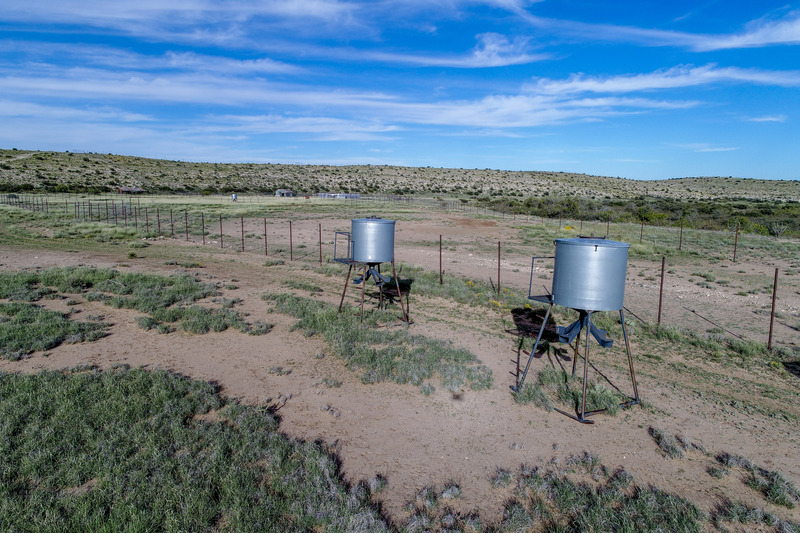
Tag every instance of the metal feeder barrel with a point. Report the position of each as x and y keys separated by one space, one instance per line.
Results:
x=589 y=273
x=373 y=240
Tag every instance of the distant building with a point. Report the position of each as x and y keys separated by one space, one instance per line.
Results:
x=284 y=193
x=130 y=190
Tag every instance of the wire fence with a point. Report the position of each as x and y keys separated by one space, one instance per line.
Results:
x=306 y=240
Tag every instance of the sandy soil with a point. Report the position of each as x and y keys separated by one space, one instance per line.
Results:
x=417 y=441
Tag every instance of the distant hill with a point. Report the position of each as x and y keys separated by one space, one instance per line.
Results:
x=92 y=172
x=765 y=207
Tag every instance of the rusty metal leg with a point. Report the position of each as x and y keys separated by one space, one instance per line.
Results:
x=585 y=368
x=533 y=350
x=346 y=281
x=399 y=294
x=575 y=354
x=363 y=291
x=630 y=360
x=380 y=290
x=586 y=322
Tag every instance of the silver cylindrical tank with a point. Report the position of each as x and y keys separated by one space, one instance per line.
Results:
x=589 y=274
x=373 y=240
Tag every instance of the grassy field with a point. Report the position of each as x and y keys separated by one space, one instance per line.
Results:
x=140 y=450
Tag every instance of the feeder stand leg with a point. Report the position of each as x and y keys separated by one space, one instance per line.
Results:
x=380 y=290
x=576 y=355
x=630 y=359
x=346 y=281
x=585 y=367
x=399 y=294
x=533 y=350
x=363 y=290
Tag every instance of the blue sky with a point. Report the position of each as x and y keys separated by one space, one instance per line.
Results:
x=643 y=90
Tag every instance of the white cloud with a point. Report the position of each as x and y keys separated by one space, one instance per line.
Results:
x=33 y=111
x=496 y=50
x=672 y=78
x=491 y=50
x=758 y=33
x=175 y=12
x=319 y=128
x=117 y=59
x=768 y=118
x=236 y=23
x=199 y=62
x=706 y=147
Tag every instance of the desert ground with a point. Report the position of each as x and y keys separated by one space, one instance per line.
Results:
x=748 y=408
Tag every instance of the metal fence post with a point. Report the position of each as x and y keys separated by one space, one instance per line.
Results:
x=661 y=290
x=772 y=313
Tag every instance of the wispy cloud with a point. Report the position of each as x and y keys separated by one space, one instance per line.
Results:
x=768 y=118
x=677 y=77
x=129 y=14
x=118 y=59
x=491 y=50
x=705 y=147
x=758 y=33
x=27 y=110
x=319 y=128
x=233 y=24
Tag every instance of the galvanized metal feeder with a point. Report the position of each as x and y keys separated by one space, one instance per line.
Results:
x=368 y=244
x=588 y=276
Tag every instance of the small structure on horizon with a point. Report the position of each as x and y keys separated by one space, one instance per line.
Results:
x=130 y=190
x=284 y=193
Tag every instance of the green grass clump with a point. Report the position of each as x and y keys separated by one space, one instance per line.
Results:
x=165 y=300
x=556 y=385
x=775 y=487
x=613 y=505
x=149 y=293
x=385 y=354
x=741 y=513
x=301 y=286
x=26 y=328
x=130 y=450
x=535 y=394
x=667 y=443
x=501 y=478
x=771 y=484
x=22 y=286
x=555 y=501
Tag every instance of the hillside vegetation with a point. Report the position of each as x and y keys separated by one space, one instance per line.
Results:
x=756 y=206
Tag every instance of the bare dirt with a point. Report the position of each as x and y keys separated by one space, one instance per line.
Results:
x=463 y=437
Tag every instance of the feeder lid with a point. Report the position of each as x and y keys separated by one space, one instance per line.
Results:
x=591 y=241
x=374 y=220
